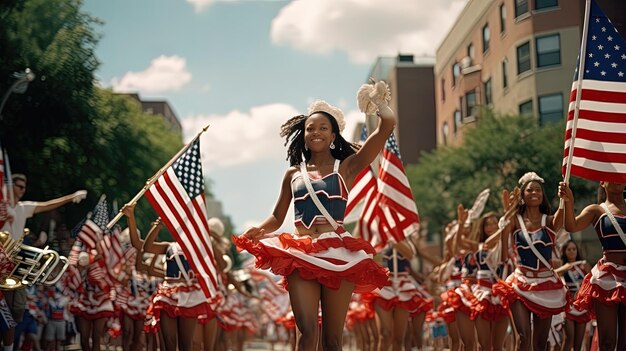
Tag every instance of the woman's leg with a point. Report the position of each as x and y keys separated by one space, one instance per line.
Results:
x=455 y=338
x=621 y=325
x=607 y=318
x=498 y=330
x=521 y=320
x=400 y=321
x=209 y=337
x=84 y=327
x=98 y=330
x=384 y=323
x=334 y=309
x=484 y=333
x=466 y=330
x=186 y=330
x=372 y=335
x=305 y=298
x=127 y=332
x=579 y=335
x=138 y=339
x=168 y=332
x=568 y=328
x=418 y=330
x=541 y=330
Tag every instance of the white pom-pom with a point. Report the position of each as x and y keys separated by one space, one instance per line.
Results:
x=370 y=97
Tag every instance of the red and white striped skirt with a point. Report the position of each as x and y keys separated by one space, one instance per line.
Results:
x=488 y=306
x=93 y=305
x=330 y=259
x=605 y=283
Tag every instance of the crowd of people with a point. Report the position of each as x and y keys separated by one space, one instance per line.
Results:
x=511 y=280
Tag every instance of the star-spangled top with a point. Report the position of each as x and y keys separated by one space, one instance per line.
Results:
x=392 y=146
x=189 y=171
x=605 y=57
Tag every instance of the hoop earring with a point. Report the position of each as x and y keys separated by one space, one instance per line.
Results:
x=332 y=145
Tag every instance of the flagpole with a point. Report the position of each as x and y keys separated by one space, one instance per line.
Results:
x=156 y=176
x=581 y=67
x=7 y=166
x=581 y=73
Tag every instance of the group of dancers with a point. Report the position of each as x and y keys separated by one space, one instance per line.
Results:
x=502 y=278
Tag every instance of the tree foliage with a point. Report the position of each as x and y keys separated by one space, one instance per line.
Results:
x=494 y=154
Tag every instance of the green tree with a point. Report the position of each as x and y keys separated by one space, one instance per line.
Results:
x=494 y=154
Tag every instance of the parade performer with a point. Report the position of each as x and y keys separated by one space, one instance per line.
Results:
x=491 y=315
x=603 y=291
x=573 y=272
x=94 y=306
x=534 y=290
x=179 y=300
x=322 y=262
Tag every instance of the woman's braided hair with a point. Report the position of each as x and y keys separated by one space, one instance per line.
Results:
x=293 y=131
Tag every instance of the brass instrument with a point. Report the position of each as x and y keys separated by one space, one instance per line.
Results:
x=32 y=264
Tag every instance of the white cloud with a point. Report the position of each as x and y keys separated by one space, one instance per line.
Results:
x=200 y=5
x=365 y=29
x=243 y=137
x=166 y=73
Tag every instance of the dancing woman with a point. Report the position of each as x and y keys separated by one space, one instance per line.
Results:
x=603 y=291
x=322 y=263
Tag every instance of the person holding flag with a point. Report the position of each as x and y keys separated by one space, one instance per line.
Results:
x=321 y=262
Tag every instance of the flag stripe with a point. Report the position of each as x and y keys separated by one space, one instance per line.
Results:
x=597 y=116
x=600 y=166
x=601 y=106
x=595 y=135
x=594 y=174
x=602 y=96
x=596 y=146
x=602 y=156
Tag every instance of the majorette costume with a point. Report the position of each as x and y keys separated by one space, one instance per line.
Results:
x=533 y=281
x=462 y=299
x=488 y=306
x=607 y=280
x=573 y=278
x=330 y=258
x=359 y=311
x=402 y=291
x=94 y=293
x=445 y=309
x=180 y=294
x=134 y=297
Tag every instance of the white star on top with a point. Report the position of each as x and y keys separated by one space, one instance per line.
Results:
x=597 y=20
x=616 y=47
x=596 y=64
x=623 y=56
x=607 y=55
x=600 y=47
x=604 y=29
x=593 y=37
x=603 y=73
x=620 y=73
x=614 y=65
x=590 y=55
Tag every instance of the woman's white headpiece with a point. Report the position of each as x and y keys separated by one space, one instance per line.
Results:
x=323 y=106
x=530 y=176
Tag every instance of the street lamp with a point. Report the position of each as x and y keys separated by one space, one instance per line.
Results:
x=19 y=86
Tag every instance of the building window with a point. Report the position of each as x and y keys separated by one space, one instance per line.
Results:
x=521 y=7
x=443 y=89
x=502 y=18
x=548 y=51
x=444 y=132
x=486 y=37
x=470 y=103
x=505 y=73
x=487 y=87
x=456 y=72
x=526 y=108
x=523 y=58
x=458 y=120
x=470 y=53
x=551 y=108
x=545 y=4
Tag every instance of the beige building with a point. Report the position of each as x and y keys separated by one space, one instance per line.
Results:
x=159 y=108
x=514 y=56
x=411 y=82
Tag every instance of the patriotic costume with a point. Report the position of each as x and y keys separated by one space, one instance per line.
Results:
x=330 y=258
x=94 y=300
x=607 y=281
x=180 y=294
x=403 y=291
x=133 y=298
x=535 y=285
x=573 y=278
x=462 y=299
x=445 y=308
x=488 y=306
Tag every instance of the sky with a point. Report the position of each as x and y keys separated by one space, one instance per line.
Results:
x=246 y=66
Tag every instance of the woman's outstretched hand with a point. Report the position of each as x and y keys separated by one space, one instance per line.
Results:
x=254 y=233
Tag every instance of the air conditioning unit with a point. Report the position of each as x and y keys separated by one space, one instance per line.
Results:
x=466 y=62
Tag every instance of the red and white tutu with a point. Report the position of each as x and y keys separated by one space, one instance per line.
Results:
x=179 y=299
x=543 y=296
x=92 y=305
x=402 y=293
x=359 y=311
x=330 y=259
x=131 y=305
x=488 y=305
x=462 y=299
x=605 y=283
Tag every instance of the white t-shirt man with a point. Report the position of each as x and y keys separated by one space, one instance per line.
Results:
x=21 y=212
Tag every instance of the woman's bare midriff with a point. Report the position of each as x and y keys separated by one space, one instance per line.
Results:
x=616 y=257
x=315 y=230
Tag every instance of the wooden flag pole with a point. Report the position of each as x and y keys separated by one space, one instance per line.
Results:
x=581 y=73
x=156 y=176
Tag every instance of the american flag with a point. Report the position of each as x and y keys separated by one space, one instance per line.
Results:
x=394 y=196
x=600 y=140
x=178 y=198
x=90 y=234
x=112 y=251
